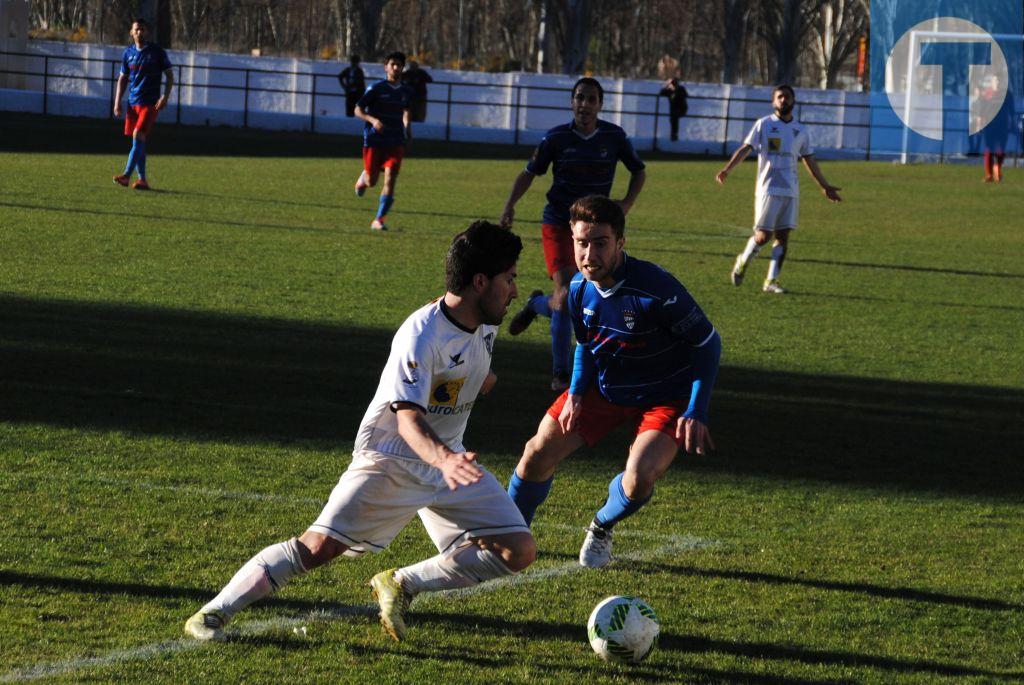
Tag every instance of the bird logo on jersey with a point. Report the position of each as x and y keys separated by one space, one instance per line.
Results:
x=629 y=318
x=489 y=343
x=604 y=152
x=412 y=374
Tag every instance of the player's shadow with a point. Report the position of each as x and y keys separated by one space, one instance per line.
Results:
x=214 y=376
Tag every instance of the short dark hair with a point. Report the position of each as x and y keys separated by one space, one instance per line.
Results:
x=588 y=81
x=396 y=56
x=598 y=209
x=355 y=58
x=141 y=22
x=784 y=86
x=483 y=248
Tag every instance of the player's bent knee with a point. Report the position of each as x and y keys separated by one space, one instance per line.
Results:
x=518 y=552
x=318 y=549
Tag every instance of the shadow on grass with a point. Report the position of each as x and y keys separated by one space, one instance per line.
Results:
x=209 y=376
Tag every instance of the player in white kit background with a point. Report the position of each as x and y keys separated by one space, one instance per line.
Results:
x=409 y=458
x=779 y=141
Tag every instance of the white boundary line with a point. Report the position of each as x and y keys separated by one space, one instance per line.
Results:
x=672 y=544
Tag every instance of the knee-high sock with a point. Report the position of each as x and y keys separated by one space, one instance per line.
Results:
x=778 y=257
x=541 y=305
x=140 y=158
x=750 y=250
x=561 y=340
x=988 y=164
x=618 y=506
x=267 y=572
x=384 y=206
x=133 y=156
x=528 y=494
x=466 y=566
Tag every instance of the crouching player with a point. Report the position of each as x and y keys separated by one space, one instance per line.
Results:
x=409 y=457
x=645 y=354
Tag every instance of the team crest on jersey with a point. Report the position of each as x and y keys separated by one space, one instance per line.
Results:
x=604 y=152
x=629 y=318
x=775 y=145
x=489 y=343
x=446 y=393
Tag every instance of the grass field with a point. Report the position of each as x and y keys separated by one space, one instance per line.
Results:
x=182 y=374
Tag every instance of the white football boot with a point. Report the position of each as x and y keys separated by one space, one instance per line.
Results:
x=597 y=547
x=207 y=626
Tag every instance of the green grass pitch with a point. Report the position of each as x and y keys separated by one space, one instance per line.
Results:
x=182 y=374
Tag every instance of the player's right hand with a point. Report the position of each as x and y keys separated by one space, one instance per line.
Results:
x=459 y=468
x=720 y=176
x=507 y=216
x=378 y=125
x=568 y=418
x=117 y=110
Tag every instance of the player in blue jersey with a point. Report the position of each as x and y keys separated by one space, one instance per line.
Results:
x=583 y=155
x=645 y=354
x=385 y=109
x=143 y=64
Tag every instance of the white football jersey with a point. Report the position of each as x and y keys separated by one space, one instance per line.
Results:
x=779 y=146
x=435 y=364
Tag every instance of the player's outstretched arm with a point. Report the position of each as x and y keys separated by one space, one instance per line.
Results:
x=519 y=187
x=831 y=192
x=636 y=184
x=457 y=468
x=737 y=157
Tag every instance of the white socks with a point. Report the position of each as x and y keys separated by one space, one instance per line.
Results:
x=267 y=572
x=750 y=251
x=778 y=256
x=466 y=566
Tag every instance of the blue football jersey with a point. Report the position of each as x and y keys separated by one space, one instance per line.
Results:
x=387 y=102
x=580 y=165
x=644 y=341
x=144 y=69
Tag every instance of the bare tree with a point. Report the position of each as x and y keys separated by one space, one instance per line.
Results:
x=784 y=26
x=836 y=34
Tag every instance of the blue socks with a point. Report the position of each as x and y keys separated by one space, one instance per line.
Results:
x=618 y=505
x=561 y=339
x=384 y=206
x=528 y=495
x=140 y=158
x=137 y=152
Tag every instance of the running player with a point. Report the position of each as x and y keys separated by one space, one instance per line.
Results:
x=385 y=109
x=409 y=457
x=142 y=66
x=645 y=355
x=779 y=140
x=583 y=155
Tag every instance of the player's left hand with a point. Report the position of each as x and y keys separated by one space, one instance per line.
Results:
x=832 y=193
x=720 y=177
x=161 y=103
x=697 y=436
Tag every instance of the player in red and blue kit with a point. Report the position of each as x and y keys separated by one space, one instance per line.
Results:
x=143 y=65
x=645 y=354
x=583 y=155
x=385 y=109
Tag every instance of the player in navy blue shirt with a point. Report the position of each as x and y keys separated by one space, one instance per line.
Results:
x=385 y=109
x=645 y=354
x=583 y=155
x=143 y=65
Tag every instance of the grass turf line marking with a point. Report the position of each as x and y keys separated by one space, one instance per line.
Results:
x=255 y=628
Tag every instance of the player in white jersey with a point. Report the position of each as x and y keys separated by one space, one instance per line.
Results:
x=409 y=457
x=779 y=140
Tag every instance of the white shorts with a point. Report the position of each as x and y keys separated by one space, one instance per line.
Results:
x=772 y=212
x=378 y=495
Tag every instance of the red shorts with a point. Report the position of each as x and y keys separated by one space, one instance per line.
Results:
x=600 y=417
x=377 y=158
x=558 y=248
x=139 y=118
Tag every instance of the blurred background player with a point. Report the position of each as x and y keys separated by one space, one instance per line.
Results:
x=143 y=64
x=779 y=140
x=645 y=354
x=409 y=457
x=417 y=79
x=385 y=109
x=353 y=84
x=676 y=93
x=583 y=155
x=996 y=133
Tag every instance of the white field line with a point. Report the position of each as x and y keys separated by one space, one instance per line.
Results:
x=680 y=543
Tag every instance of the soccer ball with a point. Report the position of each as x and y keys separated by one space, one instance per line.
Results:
x=623 y=629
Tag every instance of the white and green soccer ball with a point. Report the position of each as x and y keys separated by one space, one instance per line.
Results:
x=623 y=629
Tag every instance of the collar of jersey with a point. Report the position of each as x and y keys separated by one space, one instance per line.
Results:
x=620 y=279
x=572 y=127
x=451 y=319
